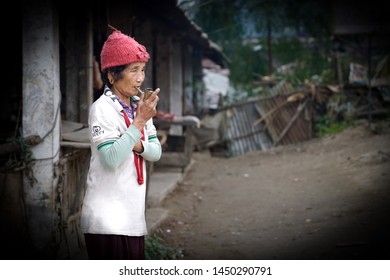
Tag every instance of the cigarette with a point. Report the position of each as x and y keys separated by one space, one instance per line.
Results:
x=139 y=89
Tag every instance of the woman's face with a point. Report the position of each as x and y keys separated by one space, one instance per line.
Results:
x=132 y=77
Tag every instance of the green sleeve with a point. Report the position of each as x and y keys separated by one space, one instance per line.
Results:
x=112 y=154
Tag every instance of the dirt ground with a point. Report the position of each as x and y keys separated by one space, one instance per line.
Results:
x=327 y=198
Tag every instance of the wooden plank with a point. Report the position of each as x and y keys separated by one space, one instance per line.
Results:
x=81 y=136
x=69 y=126
x=76 y=145
x=291 y=122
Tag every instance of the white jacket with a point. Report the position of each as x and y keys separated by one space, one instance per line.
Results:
x=114 y=202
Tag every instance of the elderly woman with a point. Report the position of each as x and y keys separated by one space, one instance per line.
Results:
x=122 y=136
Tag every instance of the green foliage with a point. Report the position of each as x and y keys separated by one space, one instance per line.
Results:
x=223 y=27
x=325 y=126
x=247 y=64
x=155 y=249
x=288 y=32
x=310 y=60
x=227 y=30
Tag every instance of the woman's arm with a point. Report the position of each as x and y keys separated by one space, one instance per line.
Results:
x=114 y=153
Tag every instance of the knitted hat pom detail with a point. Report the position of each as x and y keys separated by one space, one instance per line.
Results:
x=120 y=49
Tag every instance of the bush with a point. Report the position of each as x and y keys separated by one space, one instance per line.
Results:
x=155 y=249
x=325 y=126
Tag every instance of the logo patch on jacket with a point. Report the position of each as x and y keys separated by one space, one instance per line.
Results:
x=97 y=130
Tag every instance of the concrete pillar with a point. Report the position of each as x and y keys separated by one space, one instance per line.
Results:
x=41 y=116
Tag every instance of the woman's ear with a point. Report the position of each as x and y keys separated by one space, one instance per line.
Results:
x=110 y=77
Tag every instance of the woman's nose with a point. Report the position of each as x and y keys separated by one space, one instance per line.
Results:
x=140 y=76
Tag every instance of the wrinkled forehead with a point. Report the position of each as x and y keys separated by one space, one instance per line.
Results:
x=136 y=65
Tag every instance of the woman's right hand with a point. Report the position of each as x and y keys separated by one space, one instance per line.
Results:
x=146 y=109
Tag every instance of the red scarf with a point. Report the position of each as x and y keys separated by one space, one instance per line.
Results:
x=138 y=160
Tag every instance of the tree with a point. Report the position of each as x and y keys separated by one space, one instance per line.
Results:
x=231 y=22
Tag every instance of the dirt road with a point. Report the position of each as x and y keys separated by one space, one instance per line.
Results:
x=327 y=198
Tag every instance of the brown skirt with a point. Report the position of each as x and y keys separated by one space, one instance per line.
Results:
x=115 y=247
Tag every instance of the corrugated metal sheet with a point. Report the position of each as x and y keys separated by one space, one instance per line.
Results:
x=282 y=122
x=242 y=136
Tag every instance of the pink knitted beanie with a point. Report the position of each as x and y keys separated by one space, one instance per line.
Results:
x=120 y=49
